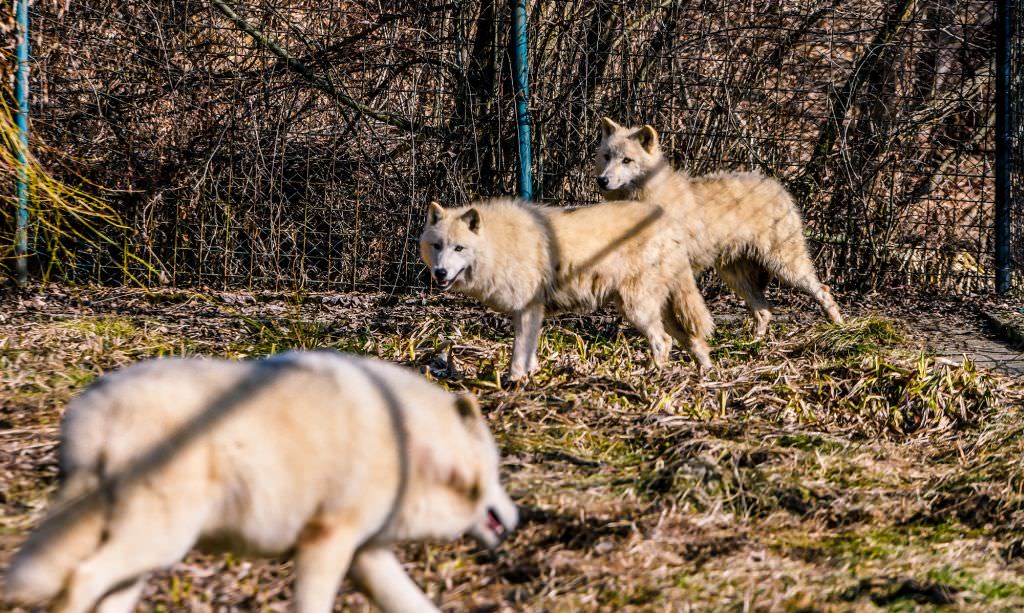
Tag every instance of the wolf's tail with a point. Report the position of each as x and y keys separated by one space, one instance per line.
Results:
x=74 y=528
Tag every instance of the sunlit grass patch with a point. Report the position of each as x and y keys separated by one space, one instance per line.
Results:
x=857 y=337
x=892 y=396
x=578 y=445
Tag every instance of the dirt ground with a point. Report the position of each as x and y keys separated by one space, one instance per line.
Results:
x=859 y=467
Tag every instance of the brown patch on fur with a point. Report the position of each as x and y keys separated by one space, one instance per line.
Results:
x=467 y=489
x=314 y=530
x=467 y=406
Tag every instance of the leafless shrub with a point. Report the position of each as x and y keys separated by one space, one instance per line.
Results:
x=292 y=144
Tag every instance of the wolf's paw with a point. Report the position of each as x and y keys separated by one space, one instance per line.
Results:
x=703 y=363
x=515 y=380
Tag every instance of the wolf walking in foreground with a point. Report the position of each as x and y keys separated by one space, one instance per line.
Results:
x=744 y=224
x=332 y=456
x=524 y=260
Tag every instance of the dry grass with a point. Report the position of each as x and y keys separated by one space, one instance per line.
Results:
x=826 y=468
x=65 y=215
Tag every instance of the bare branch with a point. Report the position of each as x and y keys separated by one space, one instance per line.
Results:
x=842 y=99
x=322 y=84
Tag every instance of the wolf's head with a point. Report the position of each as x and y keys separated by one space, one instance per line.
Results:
x=626 y=158
x=449 y=244
x=454 y=486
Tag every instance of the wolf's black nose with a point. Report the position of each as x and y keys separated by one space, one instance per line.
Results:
x=440 y=273
x=603 y=182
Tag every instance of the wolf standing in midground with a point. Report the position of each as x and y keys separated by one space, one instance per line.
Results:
x=522 y=259
x=743 y=224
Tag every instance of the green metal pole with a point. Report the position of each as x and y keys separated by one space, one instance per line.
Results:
x=521 y=74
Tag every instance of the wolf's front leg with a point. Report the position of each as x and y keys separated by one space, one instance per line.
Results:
x=321 y=562
x=526 y=325
x=380 y=575
x=121 y=601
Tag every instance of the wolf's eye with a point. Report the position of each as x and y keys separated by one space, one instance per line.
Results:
x=437 y=246
x=607 y=157
x=459 y=247
x=627 y=160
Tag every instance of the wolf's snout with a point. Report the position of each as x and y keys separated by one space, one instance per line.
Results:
x=602 y=182
x=440 y=274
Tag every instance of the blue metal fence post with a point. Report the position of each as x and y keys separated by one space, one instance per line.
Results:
x=21 y=94
x=522 y=80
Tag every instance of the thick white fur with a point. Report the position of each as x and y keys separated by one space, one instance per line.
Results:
x=311 y=460
x=744 y=224
x=523 y=260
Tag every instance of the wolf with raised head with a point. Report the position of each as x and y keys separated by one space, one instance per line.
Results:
x=525 y=260
x=331 y=456
x=744 y=224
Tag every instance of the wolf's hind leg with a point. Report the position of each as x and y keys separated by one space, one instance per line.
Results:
x=691 y=322
x=643 y=310
x=143 y=535
x=697 y=346
x=798 y=272
x=688 y=325
x=380 y=575
x=748 y=280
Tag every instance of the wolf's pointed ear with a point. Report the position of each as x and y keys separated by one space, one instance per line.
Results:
x=467 y=406
x=608 y=127
x=648 y=138
x=472 y=219
x=435 y=213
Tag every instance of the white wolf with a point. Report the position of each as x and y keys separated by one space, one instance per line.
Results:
x=334 y=456
x=523 y=259
x=744 y=224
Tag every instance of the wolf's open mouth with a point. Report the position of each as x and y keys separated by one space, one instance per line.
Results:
x=448 y=282
x=494 y=524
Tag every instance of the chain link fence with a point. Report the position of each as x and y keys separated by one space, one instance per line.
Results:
x=294 y=144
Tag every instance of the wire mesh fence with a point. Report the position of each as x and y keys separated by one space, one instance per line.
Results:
x=294 y=144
